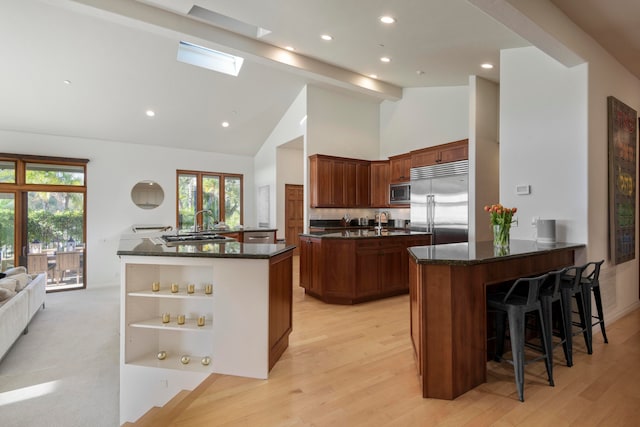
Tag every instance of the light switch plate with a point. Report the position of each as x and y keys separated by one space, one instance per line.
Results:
x=523 y=189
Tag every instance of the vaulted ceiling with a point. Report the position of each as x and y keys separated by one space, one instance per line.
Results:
x=92 y=68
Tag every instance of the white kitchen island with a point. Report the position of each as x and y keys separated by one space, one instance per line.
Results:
x=247 y=317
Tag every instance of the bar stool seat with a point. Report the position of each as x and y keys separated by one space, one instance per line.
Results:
x=522 y=297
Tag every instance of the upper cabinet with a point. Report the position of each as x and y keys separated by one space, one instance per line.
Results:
x=380 y=184
x=338 y=182
x=399 y=168
x=451 y=152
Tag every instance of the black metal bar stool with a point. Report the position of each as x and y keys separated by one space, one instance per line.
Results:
x=586 y=284
x=592 y=280
x=522 y=297
x=571 y=287
x=550 y=295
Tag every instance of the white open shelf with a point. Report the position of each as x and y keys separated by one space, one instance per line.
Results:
x=166 y=293
x=189 y=325
x=172 y=362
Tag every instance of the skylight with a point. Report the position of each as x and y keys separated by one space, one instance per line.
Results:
x=210 y=59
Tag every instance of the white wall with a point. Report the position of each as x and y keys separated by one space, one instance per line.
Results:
x=424 y=117
x=342 y=125
x=543 y=142
x=484 y=154
x=290 y=170
x=114 y=168
x=291 y=126
x=606 y=77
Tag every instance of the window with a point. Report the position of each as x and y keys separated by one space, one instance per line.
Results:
x=42 y=173
x=43 y=217
x=216 y=197
x=7 y=171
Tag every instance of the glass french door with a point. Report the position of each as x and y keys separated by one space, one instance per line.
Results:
x=7 y=230
x=55 y=238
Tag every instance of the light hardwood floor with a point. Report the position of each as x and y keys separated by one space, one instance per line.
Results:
x=353 y=366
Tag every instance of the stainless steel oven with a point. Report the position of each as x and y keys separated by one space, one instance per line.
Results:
x=400 y=193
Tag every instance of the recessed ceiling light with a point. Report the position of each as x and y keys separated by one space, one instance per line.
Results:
x=225 y=124
x=326 y=37
x=67 y=82
x=150 y=113
x=487 y=66
x=419 y=72
x=385 y=59
x=387 y=19
x=373 y=76
x=290 y=48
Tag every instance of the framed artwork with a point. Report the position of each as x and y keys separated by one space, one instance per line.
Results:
x=622 y=136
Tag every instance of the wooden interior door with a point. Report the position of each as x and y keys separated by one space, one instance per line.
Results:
x=294 y=223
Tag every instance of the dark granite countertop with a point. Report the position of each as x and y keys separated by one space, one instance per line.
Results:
x=363 y=233
x=242 y=229
x=147 y=245
x=481 y=252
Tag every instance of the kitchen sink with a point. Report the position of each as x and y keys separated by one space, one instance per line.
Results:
x=193 y=238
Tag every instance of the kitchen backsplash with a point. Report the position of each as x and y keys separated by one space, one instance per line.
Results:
x=324 y=213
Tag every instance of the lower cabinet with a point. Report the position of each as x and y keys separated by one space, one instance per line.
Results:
x=349 y=271
x=380 y=268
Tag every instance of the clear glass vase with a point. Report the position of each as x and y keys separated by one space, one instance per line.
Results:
x=501 y=236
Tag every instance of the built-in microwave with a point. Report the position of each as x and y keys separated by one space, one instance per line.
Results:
x=400 y=193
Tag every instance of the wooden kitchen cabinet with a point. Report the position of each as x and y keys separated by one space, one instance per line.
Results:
x=380 y=269
x=338 y=182
x=350 y=270
x=310 y=259
x=380 y=184
x=451 y=152
x=400 y=167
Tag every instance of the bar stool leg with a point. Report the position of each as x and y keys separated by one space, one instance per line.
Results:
x=598 y=298
x=547 y=347
x=583 y=301
x=516 y=334
x=565 y=301
x=500 y=336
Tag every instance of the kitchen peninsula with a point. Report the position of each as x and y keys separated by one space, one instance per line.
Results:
x=357 y=265
x=448 y=309
x=192 y=309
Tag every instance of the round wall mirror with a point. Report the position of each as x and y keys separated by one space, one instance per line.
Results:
x=147 y=194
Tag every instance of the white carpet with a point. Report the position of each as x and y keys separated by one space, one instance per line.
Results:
x=65 y=372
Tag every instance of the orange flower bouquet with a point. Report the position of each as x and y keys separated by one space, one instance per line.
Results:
x=500 y=218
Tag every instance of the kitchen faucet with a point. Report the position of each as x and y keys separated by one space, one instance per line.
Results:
x=195 y=218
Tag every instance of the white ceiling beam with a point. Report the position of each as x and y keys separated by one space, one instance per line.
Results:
x=512 y=18
x=140 y=15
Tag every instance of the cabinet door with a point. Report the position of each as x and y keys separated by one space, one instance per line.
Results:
x=306 y=255
x=321 y=182
x=363 y=186
x=310 y=261
x=400 y=167
x=350 y=188
x=425 y=157
x=380 y=184
x=367 y=280
x=337 y=183
x=393 y=268
x=454 y=152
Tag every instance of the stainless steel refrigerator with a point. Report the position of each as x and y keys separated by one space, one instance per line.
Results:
x=440 y=201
